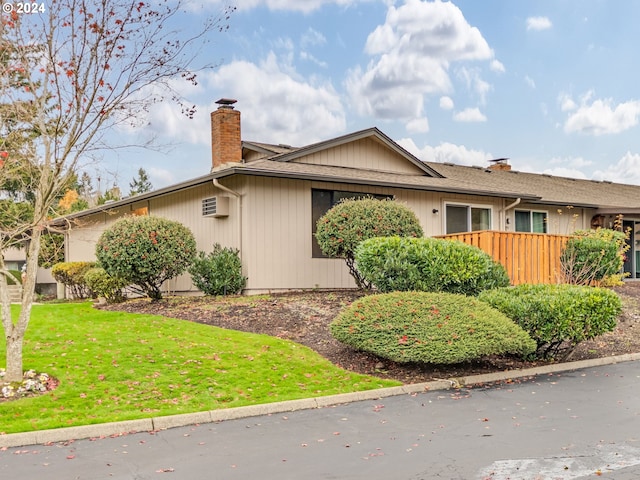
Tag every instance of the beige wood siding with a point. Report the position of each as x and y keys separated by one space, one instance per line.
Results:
x=277 y=247
x=184 y=206
x=366 y=154
x=275 y=231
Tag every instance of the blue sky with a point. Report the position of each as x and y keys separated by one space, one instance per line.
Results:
x=551 y=84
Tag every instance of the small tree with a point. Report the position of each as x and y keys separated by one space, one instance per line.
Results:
x=141 y=183
x=351 y=221
x=146 y=251
x=71 y=72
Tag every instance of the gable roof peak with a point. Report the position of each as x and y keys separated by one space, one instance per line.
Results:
x=372 y=132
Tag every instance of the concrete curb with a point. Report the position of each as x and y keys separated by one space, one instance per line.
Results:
x=163 y=423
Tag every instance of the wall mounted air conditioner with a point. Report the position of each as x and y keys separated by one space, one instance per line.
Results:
x=215 y=207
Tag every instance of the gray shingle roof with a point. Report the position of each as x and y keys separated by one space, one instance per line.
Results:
x=553 y=190
x=280 y=161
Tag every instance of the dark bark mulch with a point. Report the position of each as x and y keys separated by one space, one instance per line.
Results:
x=304 y=318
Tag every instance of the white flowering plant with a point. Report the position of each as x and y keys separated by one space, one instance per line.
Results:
x=32 y=383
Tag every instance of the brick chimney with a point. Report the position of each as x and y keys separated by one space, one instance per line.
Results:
x=500 y=164
x=226 y=146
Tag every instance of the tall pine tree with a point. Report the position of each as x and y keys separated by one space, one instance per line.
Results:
x=140 y=184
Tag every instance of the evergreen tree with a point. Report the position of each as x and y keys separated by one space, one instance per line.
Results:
x=141 y=183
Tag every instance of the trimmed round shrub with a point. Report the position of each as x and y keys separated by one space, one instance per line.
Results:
x=219 y=272
x=439 y=328
x=71 y=274
x=146 y=251
x=593 y=255
x=429 y=265
x=351 y=221
x=557 y=317
x=104 y=285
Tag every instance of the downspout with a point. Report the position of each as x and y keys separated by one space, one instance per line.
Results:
x=509 y=207
x=239 y=197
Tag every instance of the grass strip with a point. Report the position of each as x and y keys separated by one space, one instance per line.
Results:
x=115 y=366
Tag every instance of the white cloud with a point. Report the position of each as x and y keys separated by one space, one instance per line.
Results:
x=305 y=6
x=312 y=111
x=538 y=23
x=160 y=176
x=497 y=66
x=310 y=58
x=411 y=55
x=470 y=115
x=602 y=117
x=566 y=103
x=447 y=153
x=446 y=103
x=529 y=81
x=418 y=125
x=312 y=37
x=474 y=83
x=571 y=162
x=626 y=170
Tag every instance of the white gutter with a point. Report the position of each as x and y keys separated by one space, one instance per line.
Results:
x=509 y=207
x=514 y=204
x=239 y=197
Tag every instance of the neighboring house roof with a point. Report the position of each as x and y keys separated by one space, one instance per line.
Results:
x=280 y=161
x=549 y=189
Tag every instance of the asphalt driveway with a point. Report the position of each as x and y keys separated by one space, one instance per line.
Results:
x=579 y=424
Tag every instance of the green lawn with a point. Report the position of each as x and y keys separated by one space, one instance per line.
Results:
x=117 y=366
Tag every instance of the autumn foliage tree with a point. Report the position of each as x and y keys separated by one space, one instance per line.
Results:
x=69 y=74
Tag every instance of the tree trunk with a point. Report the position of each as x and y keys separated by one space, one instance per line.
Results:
x=14 y=331
x=14 y=358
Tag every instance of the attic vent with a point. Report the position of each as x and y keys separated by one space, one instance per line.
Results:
x=215 y=207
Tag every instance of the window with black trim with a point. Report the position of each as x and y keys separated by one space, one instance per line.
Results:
x=531 y=221
x=321 y=203
x=467 y=218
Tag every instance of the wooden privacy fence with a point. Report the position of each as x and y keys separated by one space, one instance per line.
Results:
x=528 y=257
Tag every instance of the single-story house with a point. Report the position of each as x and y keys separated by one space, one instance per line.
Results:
x=264 y=199
x=15 y=259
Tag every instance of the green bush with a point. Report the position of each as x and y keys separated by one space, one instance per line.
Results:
x=428 y=264
x=71 y=275
x=351 y=221
x=104 y=285
x=557 y=317
x=219 y=272
x=440 y=328
x=146 y=251
x=593 y=255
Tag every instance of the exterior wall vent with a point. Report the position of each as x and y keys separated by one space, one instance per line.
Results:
x=215 y=207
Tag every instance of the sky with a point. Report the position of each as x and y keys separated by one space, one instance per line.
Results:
x=553 y=85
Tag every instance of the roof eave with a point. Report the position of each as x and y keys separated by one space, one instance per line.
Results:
x=379 y=183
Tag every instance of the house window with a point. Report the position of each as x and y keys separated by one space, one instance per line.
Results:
x=531 y=221
x=321 y=202
x=467 y=218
